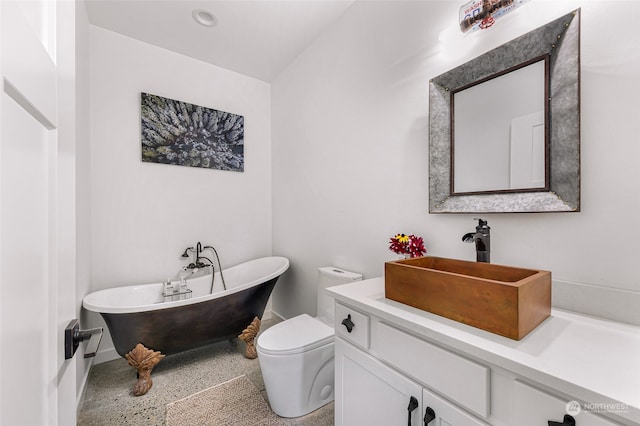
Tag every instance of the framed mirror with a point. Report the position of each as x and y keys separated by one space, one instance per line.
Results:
x=501 y=125
x=504 y=128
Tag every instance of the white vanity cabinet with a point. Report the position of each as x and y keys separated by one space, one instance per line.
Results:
x=370 y=393
x=532 y=407
x=444 y=413
x=388 y=355
x=459 y=379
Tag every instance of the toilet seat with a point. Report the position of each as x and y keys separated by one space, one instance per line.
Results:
x=299 y=334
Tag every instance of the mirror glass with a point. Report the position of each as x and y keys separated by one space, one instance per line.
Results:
x=499 y=139
x=477 y=164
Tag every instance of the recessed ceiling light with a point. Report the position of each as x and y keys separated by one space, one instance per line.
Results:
x=204 y=17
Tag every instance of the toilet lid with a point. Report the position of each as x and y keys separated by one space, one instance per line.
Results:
x=298 y=334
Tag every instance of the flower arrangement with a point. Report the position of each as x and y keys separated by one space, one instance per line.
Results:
x=407 y=245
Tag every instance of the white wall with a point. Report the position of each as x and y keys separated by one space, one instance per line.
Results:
x=350 y=153
x=144 y=215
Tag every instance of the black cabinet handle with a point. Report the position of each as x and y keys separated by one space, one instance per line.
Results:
x=413 y=404
x=429 y=415
x=348 y=323
x=567 y=421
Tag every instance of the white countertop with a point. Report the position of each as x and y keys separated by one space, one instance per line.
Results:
x=594 y=360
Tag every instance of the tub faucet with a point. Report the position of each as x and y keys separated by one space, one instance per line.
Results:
x=198 y=261
x=482 y=238
x=197 y=258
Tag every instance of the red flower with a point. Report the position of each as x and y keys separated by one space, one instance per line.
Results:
x=411 y=245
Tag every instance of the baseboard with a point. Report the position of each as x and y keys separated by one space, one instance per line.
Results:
x=82 y=389
x=604 y=302
x=276 y=316
x=106 y=355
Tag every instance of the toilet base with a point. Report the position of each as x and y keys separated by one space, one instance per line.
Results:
x=300 y=383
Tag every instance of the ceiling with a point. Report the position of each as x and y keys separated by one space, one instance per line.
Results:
x=257 y=38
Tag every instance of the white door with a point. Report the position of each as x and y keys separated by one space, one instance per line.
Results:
x=32 y=366
x=528 y=153
x=370 y=393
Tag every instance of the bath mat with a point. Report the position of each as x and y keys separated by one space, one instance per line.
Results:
x=233 y=403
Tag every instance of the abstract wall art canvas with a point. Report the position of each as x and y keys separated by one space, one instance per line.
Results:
x=175 y=132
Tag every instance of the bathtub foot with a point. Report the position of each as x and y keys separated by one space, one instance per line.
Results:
x=248 y=335
x=143 y=360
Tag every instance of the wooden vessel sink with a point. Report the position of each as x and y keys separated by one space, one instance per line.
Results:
x=500 y=299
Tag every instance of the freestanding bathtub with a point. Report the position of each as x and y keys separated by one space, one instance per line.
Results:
x=140 y=314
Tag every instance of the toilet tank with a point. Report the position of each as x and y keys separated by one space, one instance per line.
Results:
x=329 y=276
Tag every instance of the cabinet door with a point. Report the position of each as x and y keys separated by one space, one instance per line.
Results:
x=533 y=407
x=446 y=414
x=368 y=393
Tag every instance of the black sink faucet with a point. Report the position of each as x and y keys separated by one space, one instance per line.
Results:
x=482 y=238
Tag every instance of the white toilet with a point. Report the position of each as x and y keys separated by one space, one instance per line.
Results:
x=296 y=356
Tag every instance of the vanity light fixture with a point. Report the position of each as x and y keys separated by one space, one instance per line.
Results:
x=204 y=18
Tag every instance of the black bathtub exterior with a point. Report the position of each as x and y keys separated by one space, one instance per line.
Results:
x=178 y=329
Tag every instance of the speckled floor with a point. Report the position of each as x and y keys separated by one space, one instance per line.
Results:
x=108 y=399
